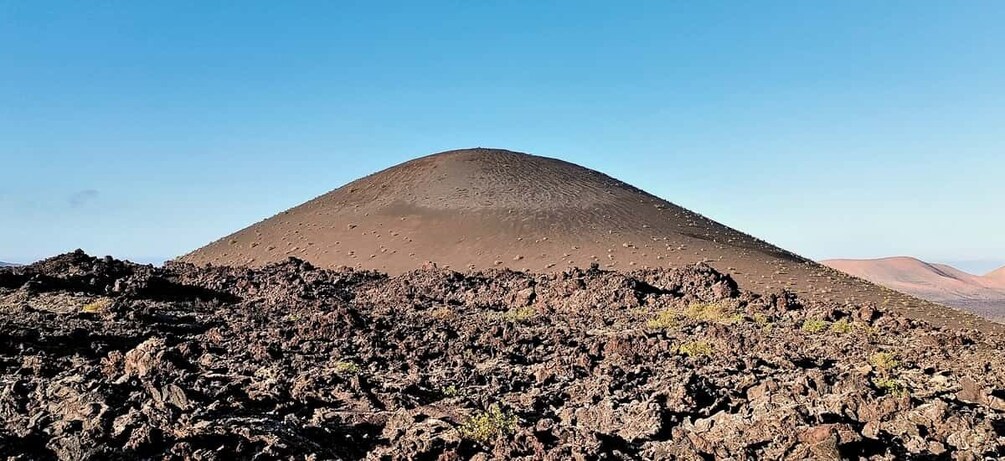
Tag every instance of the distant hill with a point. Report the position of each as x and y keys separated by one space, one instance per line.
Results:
x=3 y=264
x=997 y=276
x=941 y=283
x=476 y=209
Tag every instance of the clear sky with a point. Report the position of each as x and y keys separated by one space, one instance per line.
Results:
x=831 y=128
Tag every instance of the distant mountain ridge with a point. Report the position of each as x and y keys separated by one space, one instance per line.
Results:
x=3 y=264
x=941 y=283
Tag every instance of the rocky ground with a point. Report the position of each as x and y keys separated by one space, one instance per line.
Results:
x=102 y=359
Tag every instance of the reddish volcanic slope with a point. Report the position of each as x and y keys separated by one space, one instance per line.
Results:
x=997 y=277
x=488 y=208
x=940 y=283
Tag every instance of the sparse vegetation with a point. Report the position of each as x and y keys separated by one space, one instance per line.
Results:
x=884 y=361
x=584 y=375
x=344 y=367
x=664 y=320
x=489 y=425
x=451 y=391
x=443 y=313
x=519 y=314
x=97 y=306
x=696 y=348
x=890 y=386
x=815 y=325
x=763 y=321
x=716 y=312
x=841 y=327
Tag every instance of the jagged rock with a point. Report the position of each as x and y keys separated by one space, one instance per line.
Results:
x=147 y=358
x=971 y=391
x=632 y=421
x=295 y=362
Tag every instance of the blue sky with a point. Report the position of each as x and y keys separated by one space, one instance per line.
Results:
x=835 y=129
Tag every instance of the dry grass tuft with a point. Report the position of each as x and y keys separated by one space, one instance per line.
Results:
x=891 y=386
x=97 y=306
x=696 y=349
x=841 y=327
x=489 y=425
x=519 y=315
x=343 y=367
x=884 y=361
x=443 y=313
x=664 y=320
x=716 y=312
x=815 y=325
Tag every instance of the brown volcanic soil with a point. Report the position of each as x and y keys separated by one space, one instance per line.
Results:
x=487 y=208
x=101 y=359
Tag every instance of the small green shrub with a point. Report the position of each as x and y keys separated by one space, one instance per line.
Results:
x=841 y=327
x=343 y=367
x=489 y=425
x=695 y=348
x=451 y=391
x=890 y=386
x=764 y=322
x=717 y=312
x=884 y=361
x=664 y=320
x=815 y=325
x=519 y=314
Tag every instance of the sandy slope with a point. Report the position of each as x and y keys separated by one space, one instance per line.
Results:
x=935 y=282
x=482 y=208
x=997 y=277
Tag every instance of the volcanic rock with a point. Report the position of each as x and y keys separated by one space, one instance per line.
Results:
x=292 y=361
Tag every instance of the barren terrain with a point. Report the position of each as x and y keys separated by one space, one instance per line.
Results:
x=103 y=359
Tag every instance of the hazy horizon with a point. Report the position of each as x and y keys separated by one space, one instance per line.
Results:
x=835 y=130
